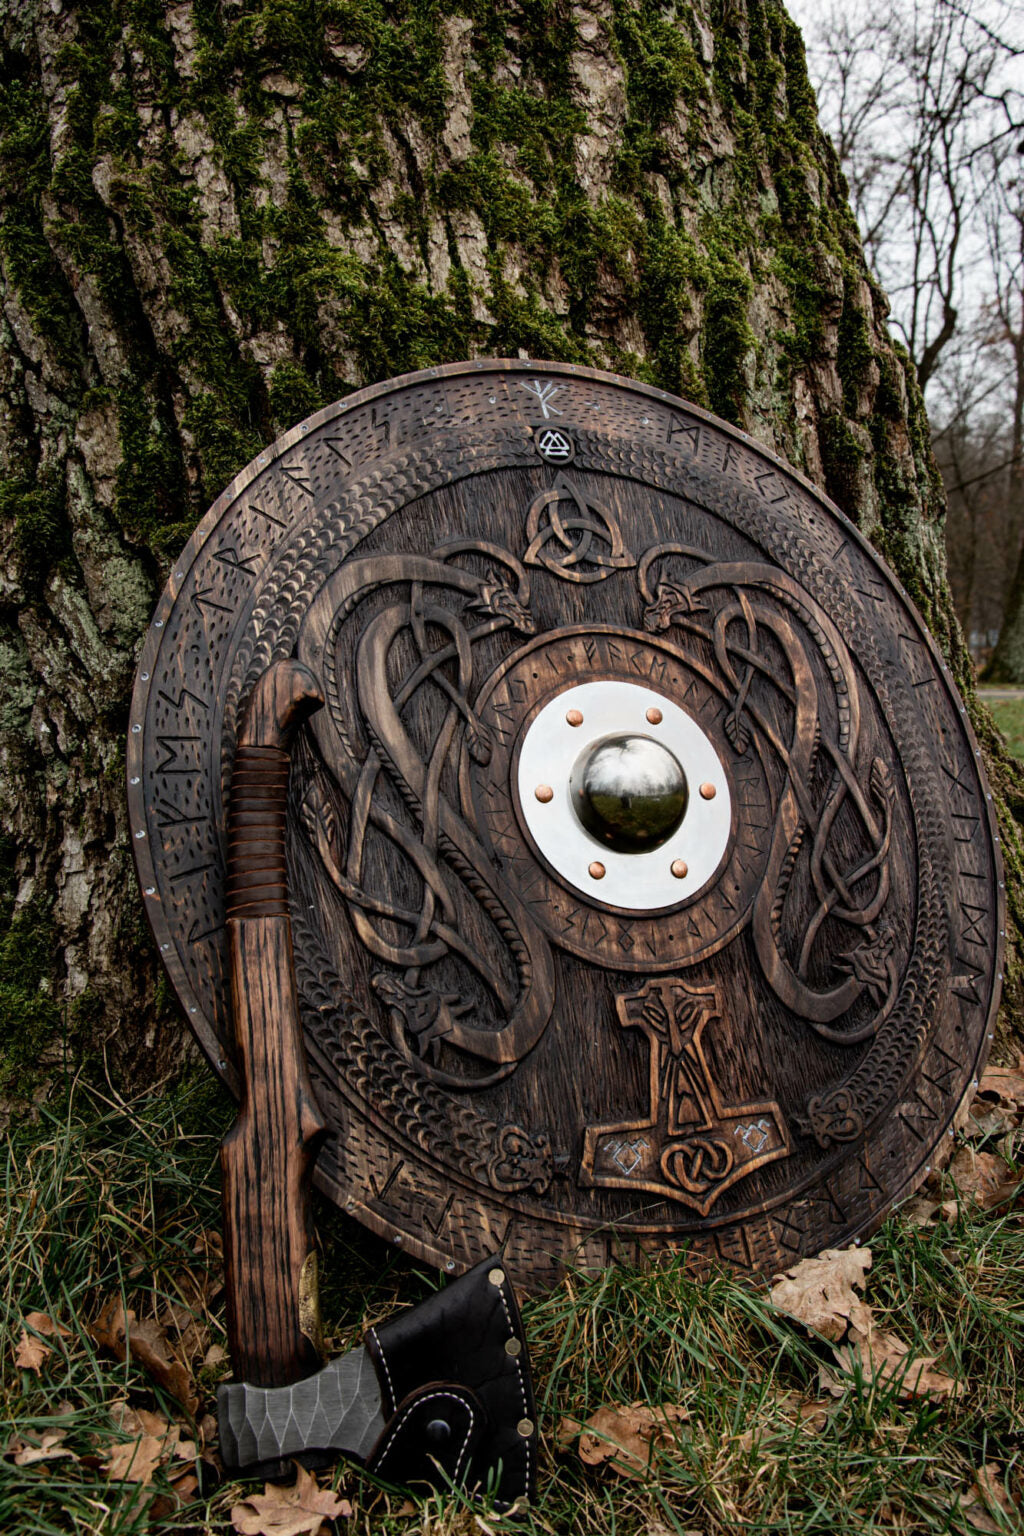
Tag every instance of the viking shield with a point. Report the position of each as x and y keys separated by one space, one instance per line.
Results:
x=644 y=882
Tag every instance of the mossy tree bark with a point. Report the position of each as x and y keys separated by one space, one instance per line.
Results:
x=221 y=214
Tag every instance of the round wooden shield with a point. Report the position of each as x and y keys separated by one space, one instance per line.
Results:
x=644 y=884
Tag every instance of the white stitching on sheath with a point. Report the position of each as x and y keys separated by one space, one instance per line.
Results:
x=387 y=1368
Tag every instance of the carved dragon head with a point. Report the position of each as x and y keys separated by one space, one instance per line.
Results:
x=669 y=602
x=497 y=598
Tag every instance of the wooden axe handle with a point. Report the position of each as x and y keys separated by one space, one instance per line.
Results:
x=267 y=1156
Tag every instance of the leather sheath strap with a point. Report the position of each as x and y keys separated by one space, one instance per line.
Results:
x=455 y=1383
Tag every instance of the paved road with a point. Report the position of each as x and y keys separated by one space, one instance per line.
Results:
x=991 y=695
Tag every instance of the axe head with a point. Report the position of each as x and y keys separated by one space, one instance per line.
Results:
x=439 y=1396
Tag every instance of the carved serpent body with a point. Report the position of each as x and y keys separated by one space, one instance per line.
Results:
x=448 y=920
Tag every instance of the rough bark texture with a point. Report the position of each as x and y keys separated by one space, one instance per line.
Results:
x=221 y=214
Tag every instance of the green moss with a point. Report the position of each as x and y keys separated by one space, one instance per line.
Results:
x=842 y=457
x=149 y=500
x=293 y=395
x=727 y=337
x=798 y=268
x=42 y=538
x=29 y=1014
x=25 y=172
x=659 y=58
x=856 y=352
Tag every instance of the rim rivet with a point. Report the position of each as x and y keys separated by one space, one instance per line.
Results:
x=596 y=870
x=574 y=716
x=544 y=793
x=679 y=869
x=708 y=791
x=654 y=716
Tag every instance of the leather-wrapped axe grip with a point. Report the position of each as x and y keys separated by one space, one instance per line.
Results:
x=267 y=1156
x=447 y=1399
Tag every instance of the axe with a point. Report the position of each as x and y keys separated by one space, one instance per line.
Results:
x=442 y=1394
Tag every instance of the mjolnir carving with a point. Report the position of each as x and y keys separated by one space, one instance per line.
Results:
x=634 y=891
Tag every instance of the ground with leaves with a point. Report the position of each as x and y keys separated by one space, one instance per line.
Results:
x=863 y=1391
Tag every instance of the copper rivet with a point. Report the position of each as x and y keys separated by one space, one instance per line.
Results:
x=544 y=793
x=497 y=1277
x=525 y=1428
x=679 y=869
x=574 y=716
x=708 y=791
x=512 y=1346
x=596 y=870
x=654 y=716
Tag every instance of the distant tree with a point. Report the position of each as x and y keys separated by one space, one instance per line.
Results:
x=1005 y=227
x=925 y=107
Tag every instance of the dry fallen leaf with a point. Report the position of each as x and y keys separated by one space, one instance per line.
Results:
x=987 y=1505
x=134 y=1461
x=820 y=1292
x=31 y=1351
x=1007 y=1082
x=625 y=1436
x=145 y=1340
x=886 y=1359
x=982 y=1177
x=296 y=1511
x=140 y=1421
x=49 y=1448
x=154 y=1439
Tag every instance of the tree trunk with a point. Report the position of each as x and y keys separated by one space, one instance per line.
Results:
x=221 y=214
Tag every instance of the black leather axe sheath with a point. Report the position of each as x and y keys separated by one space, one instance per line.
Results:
x=442 y=1394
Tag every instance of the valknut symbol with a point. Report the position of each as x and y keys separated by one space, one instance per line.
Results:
x=691 y=1147
x=574 y=537
x=554 y=446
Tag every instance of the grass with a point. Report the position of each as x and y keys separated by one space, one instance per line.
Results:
x=1009 y=716
x=109 y=1199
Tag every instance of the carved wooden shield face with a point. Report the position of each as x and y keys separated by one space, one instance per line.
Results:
x=644 y=883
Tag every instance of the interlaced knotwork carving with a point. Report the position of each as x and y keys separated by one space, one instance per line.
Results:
x=451 y=865
x=734 y=606
x=506 y=1157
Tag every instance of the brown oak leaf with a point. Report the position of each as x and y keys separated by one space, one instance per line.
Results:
x=134 y=1461
x=153 y=1440
x=296 y=1511
x=31 y=1351
x=987 y=1505
x=820 y=1292
x=982 y=1177
x=886 y=1359
x=50 y=1447
x=624 y=1435
x=1007 y=1082
x=145 y=1341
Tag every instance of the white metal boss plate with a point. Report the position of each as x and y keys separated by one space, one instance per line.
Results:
x=639 y=881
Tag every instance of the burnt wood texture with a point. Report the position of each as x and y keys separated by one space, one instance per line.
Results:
x=750 y=1066
x=269 y=1247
